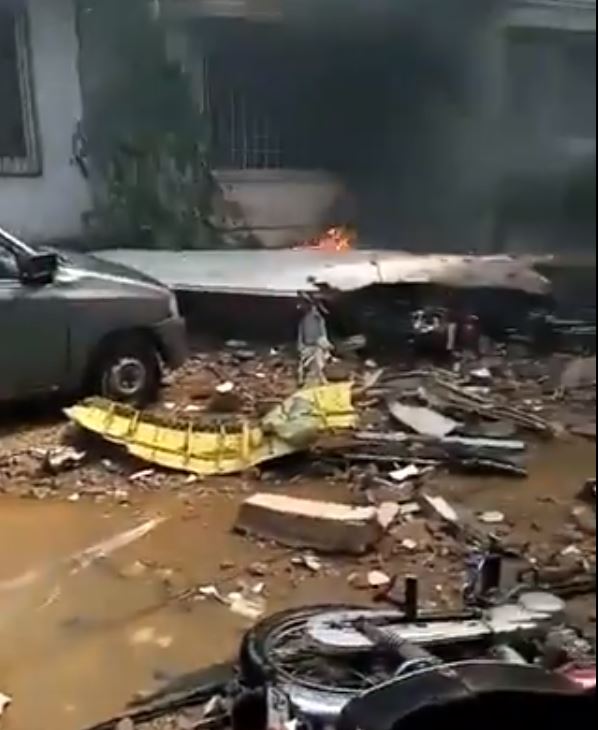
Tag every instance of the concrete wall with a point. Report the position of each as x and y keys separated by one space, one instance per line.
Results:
x=50 y=206
x=571 y=15
x=445 y=192
x=277 y=207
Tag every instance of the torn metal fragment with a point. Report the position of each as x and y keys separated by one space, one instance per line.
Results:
x=183 y=446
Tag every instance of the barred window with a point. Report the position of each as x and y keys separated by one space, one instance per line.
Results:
x=19 y=151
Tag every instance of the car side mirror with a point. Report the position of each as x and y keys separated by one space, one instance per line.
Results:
x=38 y=269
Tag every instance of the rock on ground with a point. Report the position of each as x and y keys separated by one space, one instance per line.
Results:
x=325 y=526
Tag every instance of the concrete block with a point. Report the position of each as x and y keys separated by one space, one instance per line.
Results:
x=303 y=523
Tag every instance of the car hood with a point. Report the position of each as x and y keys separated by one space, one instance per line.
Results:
x=74 y=264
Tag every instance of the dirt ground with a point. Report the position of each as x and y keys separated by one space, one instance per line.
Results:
x=78 y=642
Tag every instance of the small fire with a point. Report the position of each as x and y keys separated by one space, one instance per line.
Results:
x=334 y=240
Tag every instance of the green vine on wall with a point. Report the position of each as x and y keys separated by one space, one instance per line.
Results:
x=148 y=145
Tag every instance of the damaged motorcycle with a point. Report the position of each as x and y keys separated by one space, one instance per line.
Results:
x=355 y=668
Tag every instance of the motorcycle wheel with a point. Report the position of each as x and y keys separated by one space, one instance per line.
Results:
x=258 y=666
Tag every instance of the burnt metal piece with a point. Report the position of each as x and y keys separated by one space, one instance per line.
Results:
x=411 y=598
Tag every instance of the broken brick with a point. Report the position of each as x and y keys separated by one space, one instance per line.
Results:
x=325 y=526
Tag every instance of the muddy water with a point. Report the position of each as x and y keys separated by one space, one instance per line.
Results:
x=75 y=647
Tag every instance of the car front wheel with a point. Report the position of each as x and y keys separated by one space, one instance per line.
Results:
x=129 y=372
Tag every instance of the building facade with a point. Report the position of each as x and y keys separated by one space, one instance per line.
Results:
x=488 y=134
x=43 y=193
x=429 y=124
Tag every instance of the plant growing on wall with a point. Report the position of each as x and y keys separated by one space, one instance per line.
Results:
x=146 y=141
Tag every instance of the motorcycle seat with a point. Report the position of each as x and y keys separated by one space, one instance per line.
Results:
x=467 y=694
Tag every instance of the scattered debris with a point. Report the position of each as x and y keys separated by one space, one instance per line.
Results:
x=62 y=459
x=492 y=518
x=5 y=702
x=211 y=592
x=482 y=375
x=408 y=472
x=440 y=508
x=571 y=550
x=585 y=430
x=258 y=570
x=458 y=453
x=309 y=561
x=579 y=373
x=378 y=579
x=143 y=475
x=149 y=635
x=325 y=526
x=247 y=602
x=234 y=409
x=446 y=390
x=409 y=544
x=423 y=420
x=585 y=519
x=409 y=509
x=250 y=607
x=387 y=514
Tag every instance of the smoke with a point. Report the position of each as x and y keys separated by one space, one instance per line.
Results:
x=425 y=141
x=418 y=141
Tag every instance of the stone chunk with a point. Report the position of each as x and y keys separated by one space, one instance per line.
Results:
x=303 y=523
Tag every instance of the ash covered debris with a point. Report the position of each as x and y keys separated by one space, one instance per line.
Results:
x=501 y=408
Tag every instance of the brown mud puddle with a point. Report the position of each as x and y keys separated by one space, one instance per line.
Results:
x=75 y=647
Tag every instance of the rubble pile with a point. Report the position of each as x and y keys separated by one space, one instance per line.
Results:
x=233 y=379
x=366 y=501
x=474 y=419
x=484 y=416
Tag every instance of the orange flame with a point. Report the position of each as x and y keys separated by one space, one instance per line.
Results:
x=334 y=240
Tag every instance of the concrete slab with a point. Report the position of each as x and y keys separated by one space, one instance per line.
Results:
x=302 y=523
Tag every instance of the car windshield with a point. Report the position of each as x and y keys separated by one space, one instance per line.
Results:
x=16 y=246
x=19 y=248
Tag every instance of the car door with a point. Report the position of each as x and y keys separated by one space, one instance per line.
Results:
x=33 y=334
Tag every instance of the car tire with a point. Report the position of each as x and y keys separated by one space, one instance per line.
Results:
x=129 y=371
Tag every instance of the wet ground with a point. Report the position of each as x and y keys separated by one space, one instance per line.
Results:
x=74 y=648
x=77 y=642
